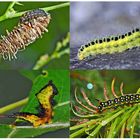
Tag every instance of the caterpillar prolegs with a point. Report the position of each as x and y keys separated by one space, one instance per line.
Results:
x=110 y=45
x=118 y=101
x=31 y=26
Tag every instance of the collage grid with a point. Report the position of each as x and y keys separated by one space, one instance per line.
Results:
x=69 y=69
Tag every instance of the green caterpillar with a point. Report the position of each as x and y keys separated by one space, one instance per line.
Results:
x=110 y=45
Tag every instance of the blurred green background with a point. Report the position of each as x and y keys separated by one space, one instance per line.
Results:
x=58 y=28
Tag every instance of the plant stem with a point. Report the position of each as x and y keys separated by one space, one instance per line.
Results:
x=56 y=6
x=112 y=128
x=61 y=104
x=11 y=5
x=123 y=130
x=13 y=105
x=57 y=53
x=83 y=124
x=104 y=122
x=25 y=129
x=77 y=133
x=18 y=14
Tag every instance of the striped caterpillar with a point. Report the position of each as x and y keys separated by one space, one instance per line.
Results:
x=123 y=100
x=110 y=45
x=31 y=26
x=45 y=99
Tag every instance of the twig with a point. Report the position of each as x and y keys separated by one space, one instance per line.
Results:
x=57 y=53
x=13 y=105
x=18 y=14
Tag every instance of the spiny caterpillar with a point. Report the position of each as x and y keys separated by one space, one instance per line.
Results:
x=110 y=45
x=31 y=26
x=123 y=100
x=45 y=99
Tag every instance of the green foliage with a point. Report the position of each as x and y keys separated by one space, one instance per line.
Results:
x=59 y=121
x=58 y=28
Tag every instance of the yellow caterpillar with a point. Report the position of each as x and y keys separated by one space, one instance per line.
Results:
x=45 y=97
x=45 y=113
x=110 y=45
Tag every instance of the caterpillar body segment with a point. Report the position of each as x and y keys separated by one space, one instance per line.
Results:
x=110 y=45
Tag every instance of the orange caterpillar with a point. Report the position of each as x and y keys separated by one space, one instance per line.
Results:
x=45 y=99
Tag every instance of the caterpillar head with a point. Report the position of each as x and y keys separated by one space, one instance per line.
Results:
x=34 y=14
x=81 y=53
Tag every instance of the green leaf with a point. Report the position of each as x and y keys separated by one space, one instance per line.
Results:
x=61 y=111
x=31 y=75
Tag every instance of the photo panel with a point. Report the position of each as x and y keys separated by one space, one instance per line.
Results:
x=34 y=35
x=33 y=104
x=105 y=104
x=105 y=35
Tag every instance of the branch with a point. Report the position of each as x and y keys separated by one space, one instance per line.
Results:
x=46 y=128
x=14 y=14
x=13 y=105
x=59 y=51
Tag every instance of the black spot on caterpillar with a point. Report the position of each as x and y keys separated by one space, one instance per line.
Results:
x=45 y=99
x=31 y=26
x=110 y=45
x=123 y=100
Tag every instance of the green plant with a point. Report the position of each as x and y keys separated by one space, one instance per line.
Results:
x=86 y=121
x=29 y=105
x=44 y=51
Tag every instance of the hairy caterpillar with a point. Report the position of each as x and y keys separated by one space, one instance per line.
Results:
x=110 y=45
x=45 y=99
x=31 y=26
x=109 y=103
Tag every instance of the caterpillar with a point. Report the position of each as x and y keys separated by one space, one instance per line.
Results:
x=122 y=100
x=110 y=45
x=30 y=27
x=45 y=99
